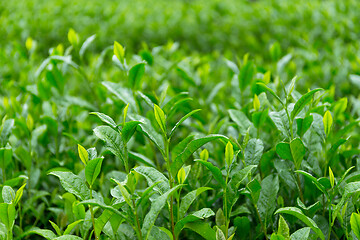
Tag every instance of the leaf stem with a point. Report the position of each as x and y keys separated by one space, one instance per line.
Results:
x=261 y=223
x=138 y=231
x=299 y=185
x=226 y=208
x=92 y=214
x=167 y=160
x=330 y=215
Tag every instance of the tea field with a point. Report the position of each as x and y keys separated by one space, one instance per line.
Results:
x=148 y=120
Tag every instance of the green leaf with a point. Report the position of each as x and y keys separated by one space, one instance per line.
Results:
x=350 y=189
x=314 y=180
x=180 y=147
x=102 y=205
x=83 y=154
x=219 y=234
x=190 y=149
x=126 y=109
x=229 y=153
x=328 y=121
x=78 y=210
x=7 y=215
x=152 y=176
x=189 y=198
x=106 y=119
x=160 y=233
x=256 y=103
x=102 y=220
x=240 y=119
x=181 y=176
x=124 y=94
x=297 y=151
x=283 y=228
x=64 y=59
x=92 y=170
x=203 y=229
x=185 y=75
x=124 y=192
x=253 y=151
x=71 y=226
x=284 y=151
x=301 y=103
x=182 y=120
x=355 y=224
x=301 y=234
x=291 y=87
x=155 y=209
x=141 y=158
x=220 y=217
x=5 y=130
x=119 y=51
x=56 y=227
x=135 y=75
x=198 y=215
x=240 y=176
x=355 y=79
x=296 y=212
x=128 y=130
x=5 y=157
x=254 y=187
x=303 y=124
x=19 y=194
x=147 y=194
x=68 y=237
x=73 y=37
x=160 y=118
x=167 y=107
x=275 y=236
x=73 y=184
x=344 y=175
x=86 y=44
x=246 y=74
x=8 y=194
x=331 y=177
x=243 y=228
x=41 y=232
x=262 y=85
x=267 y=199
x=281 y=122
x=216 y=172
x=148 y=130
x=204 y=155
x=113 y=142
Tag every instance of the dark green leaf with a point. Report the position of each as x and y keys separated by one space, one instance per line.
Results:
x=301 y=103
x=189 y=198
x=135 y=75
x=216 y=172
x=106 y=119
x=240 y=119
x=152 y=176
x=73 y=184
x=299 y=215
x=190 y=149
x=92 y=170
x=155 y=209
x=253 y=151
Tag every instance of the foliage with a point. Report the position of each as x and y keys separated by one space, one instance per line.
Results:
x=108 y=138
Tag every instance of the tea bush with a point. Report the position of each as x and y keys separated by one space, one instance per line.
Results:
x=127 y=134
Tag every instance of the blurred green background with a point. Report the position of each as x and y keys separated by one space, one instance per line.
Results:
x=321 y=36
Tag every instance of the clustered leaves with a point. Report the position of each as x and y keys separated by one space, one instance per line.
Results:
x=118 y=145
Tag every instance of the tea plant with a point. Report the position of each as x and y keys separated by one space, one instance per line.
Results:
x=164 y=145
